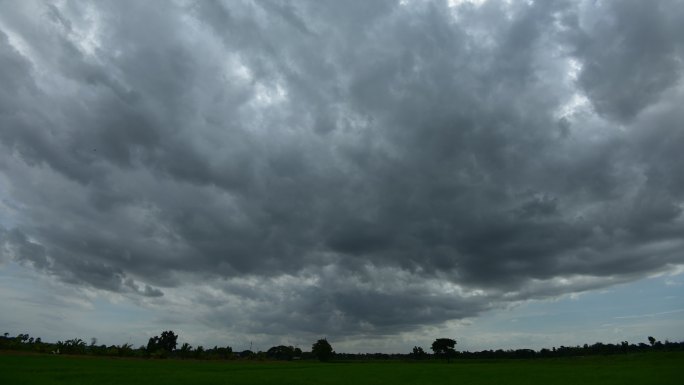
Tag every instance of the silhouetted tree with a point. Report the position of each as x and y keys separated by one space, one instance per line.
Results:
x=167 y=341
x=418 y=352
x=185 y=350
x=124 y=350
x=322 y=350
x=152 y=344
x=162 y=345
x=444 y=347
x=222 y=353
x=72 y=346
x=281 y=352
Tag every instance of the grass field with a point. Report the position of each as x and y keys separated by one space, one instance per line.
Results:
x=648 y=368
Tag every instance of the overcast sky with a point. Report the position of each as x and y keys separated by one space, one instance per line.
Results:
x=381 y=173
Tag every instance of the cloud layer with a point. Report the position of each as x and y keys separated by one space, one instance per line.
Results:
x=342 y=168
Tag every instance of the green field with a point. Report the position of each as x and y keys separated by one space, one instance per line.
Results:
x=645 y=368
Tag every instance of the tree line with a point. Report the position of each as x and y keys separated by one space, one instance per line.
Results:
x=165 y=345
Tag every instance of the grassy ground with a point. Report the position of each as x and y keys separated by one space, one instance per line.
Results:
x=648 y=368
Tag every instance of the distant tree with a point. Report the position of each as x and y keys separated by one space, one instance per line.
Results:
x=124 y=350
x=166 y=342
x=227 y=352
x=223 y=353
x=651 y=340
x=162 y=345
x=185 y=350
x=322 y=350
x=152 y=344
x=281 y=352
x=418 y=352
x=199 y=352
x=72 y=346
x=624 y=346
x=444 y=347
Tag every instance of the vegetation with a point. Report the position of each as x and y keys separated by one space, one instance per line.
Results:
x=165 y=346
x=284 y=353
x=652 y=368
x=322 y=350
x=162 y=346
x=444 y=347
x=73 y=361
x=418 y=353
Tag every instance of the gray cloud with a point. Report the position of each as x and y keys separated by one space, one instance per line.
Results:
x=367 y=167
x=630 y=56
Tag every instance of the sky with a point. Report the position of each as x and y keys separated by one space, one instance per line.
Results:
x=380 y=173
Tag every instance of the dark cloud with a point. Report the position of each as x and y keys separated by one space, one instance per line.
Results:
x=337 y=167
x=630 y=55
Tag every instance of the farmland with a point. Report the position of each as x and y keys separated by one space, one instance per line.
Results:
x=641 y=368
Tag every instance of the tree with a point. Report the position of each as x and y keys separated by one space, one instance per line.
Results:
x=651 y=340
x=185 y=350
x=152 y=344
x=322 y=350
x=72 y=346
x=444 y=347
x=166 y=343
x=281 y=352
x=224 y=353
x=125 y=350
x=418 y=352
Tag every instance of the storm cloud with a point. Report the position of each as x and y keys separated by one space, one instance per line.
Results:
x=342 y=168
